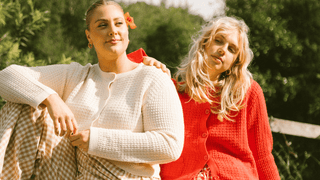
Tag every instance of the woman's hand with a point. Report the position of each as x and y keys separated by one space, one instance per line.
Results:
x=153 y=62
x=81 y=140
x=61 y=115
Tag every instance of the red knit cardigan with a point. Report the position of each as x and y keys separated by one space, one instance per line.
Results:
x=233 y=150
x=238 y=150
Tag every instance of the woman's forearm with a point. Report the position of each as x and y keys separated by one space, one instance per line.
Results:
x=18 y=85
x=32 y=85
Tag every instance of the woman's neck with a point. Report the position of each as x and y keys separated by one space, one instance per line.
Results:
x=116 y=64
x=214 y=78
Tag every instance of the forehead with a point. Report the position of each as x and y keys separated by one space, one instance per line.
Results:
x=107 y=12
x=232 y=36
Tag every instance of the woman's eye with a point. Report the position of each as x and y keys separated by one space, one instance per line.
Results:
x=232 y=50
x=102 y=25
x=119 y=23
x=218 y=40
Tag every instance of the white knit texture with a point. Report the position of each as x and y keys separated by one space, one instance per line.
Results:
x=139 y=119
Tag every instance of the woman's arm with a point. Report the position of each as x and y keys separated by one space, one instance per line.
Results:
x=260 y=136
x=32 y=85
x=43 y=84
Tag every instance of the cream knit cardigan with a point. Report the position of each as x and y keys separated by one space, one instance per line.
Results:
x=135 y=118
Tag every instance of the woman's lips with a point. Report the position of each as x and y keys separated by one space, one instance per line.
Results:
x=113 y=41
x=218 y=59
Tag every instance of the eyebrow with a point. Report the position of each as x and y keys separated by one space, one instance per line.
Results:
x=107 y=19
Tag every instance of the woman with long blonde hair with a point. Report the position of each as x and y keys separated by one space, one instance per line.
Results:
x=227 y=133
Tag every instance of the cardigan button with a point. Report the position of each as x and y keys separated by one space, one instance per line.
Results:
x=207 y=111
x=204 y=135
x=206 y=157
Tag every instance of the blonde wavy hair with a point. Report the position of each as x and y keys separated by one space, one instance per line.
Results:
x=192 y=76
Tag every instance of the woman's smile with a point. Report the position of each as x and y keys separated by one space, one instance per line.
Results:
x=217 y=59
x=113 y=41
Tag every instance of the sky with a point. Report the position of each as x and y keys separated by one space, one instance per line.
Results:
x=204 y=8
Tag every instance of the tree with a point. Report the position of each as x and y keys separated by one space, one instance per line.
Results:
x=65 y=34
x=18 y=24
x=285 y=39
x=285 y=44
x=164 y=33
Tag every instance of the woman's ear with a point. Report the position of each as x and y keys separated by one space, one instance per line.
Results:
x=88 y=35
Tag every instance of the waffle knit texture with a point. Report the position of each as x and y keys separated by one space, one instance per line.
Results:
x=135 y=118
x=233 y=150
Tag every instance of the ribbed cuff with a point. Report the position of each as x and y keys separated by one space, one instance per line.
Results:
x=41 y=97
x=94 y=139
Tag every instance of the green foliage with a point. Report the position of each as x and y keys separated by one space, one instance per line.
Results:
x=297 y=158
x=18 y=23
x=285 y=40
x=290 y=164
x=164 y=33
x=65 y=34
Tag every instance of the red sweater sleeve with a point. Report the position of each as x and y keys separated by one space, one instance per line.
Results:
x=260 y=136
x=137 y=56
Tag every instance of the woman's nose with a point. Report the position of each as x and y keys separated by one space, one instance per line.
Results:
x=113 y=31
x=221 y=51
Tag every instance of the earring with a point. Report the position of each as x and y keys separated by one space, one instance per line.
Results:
x=90 y=45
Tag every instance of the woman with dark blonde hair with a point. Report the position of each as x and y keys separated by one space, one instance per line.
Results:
x=124 y=118
x=227 y=133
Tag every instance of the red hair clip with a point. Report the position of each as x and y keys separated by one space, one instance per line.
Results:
x=129 y=20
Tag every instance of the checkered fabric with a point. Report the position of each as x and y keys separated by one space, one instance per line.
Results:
x=29 y=149
x=204 y=174
x=93 y=167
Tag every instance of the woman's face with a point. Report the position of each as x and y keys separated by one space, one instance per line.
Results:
x=222 y=52
x=108 y=31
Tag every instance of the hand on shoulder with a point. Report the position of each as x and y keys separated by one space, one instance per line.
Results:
x=149 y=61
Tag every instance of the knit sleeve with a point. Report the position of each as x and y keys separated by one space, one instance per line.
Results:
x=259 y=133
x=32 y=85
x=163 y=135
